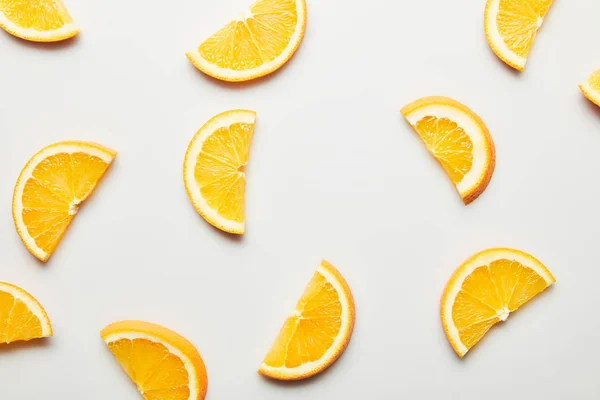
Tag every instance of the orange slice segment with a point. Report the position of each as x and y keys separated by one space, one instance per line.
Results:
x=50 y=189
x=163 y=364
x=214 y=169
x=255 y=44
x=317 y=332
x=458 y=139
x=37 y=20
x=511 y=26
x=485 y=290
x=591 y=88
x=22 y=317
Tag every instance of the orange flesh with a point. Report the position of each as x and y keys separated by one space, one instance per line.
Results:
x=256 y=40
x=51 y=196
x=41 y=15
x=519 y=20
x=311 y=330
x=17 y=322
x=219 y=169
x=449 y=144
x=594 y=81
x=489 y=294
x=158 y=374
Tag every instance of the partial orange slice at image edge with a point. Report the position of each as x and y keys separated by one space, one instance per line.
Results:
x=511 y=27
x=163 y=364
x=458 y=138
x=485 y=290
x=51 y=188
x=591 y=88
x=255 y=44
x=22 y=317
x=37 y=20
x=317 y=332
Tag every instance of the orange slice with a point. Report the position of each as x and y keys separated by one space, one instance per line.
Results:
x=511 y=26
x=37 y=20
x=213 y=170
x=255 y=44
x=50 y=189
x=21 y=316
x=317 y=332
x=162 y=363
x=485 y=290
x=458 y=139
x=591 y=88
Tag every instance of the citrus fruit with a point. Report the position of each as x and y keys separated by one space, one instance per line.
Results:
x=317 y=332
x=163 y=364
x=255 y=44
x=37 y=20
x=458 y=139
x=21 y=316
x=591 y=88
x=511 y=26
x=485 y=289
x=50 y=189
x=213 y=169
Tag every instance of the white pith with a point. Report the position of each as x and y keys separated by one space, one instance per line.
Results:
x=481 y=155
x=264 y=68
x=189 y=366
x=31 y=304
x=69 y=148
x=590 y=92
x=223 y=120
x=337 y=344
x=485 y=258
x=497 y=40
x=64 y=31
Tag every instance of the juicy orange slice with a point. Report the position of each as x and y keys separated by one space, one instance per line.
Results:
x=50 y=189
x=458 y=139
x=162 y=363
x=317 y=332
x=37 y=20
x=21 y=316
x=485 y=290
x=255 y=44
x=591 y=88
x=213 y=170
x=511 y=26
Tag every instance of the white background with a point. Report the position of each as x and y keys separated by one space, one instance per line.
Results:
x=334 y=173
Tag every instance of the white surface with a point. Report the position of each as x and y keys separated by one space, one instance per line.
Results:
x=334 y=173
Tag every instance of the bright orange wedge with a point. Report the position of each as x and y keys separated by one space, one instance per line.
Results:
x=485 y=290
x=458 y=139
x=214 y=169
x=50 y=189
x=317 y=332
x=21 y=316
x=37 y=20
x=257 y=43
x=163 y=364
x=511 y=27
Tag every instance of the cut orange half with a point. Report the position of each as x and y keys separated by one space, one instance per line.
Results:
x=214 y=169
x=21 y=316
x=458 y=139
x=591 y=88
x=163 y=364
x=485 y=290
x=37 y=20
x=255 y=44
x=511 y=26
x=317 y=332
x=50 y=189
